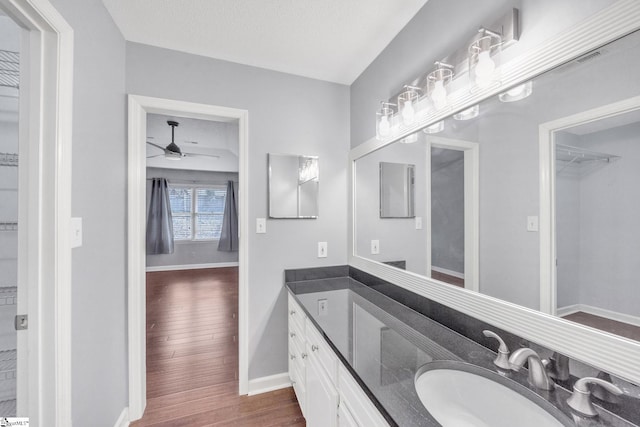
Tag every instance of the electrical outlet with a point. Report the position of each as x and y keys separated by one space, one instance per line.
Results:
x=322 y=249
x=323 y=307
x=261 y=225
x=375 y=247
x=532 y=223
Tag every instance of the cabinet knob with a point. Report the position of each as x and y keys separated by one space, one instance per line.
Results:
x=314 y=347
x=292 y=334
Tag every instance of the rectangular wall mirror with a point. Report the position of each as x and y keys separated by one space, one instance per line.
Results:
x=586 y=180
x=396 y=190
x=293 y=186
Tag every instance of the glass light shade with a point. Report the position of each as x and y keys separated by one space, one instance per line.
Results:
x=483 y=58
x=172 y=156
x=434 y=128
x=407 y=101
x=384 y=118
x=517 y=93
x=437 y=81
x=468 y=114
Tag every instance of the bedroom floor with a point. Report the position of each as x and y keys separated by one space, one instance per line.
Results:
x=607 y=325
x=192 y=356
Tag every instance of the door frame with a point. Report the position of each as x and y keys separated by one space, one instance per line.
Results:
x=548 y=253
x=139 y=106
x=44 y=251
x=471 y=206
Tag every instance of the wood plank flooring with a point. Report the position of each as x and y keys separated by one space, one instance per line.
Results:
x=192 y=356
x=452 y=280
x=623 y=329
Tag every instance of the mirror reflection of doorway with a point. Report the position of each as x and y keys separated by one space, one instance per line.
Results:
x=447 y=215
x=597 y=249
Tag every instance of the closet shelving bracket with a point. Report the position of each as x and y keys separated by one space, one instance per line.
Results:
x=580 y=160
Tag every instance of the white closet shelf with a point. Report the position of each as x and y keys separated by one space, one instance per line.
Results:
x=8 y=159
x=578 y=161
x=8 y=226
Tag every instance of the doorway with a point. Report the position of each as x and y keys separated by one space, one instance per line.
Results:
x=139 y=108
x=452 y=208
x=588 y=248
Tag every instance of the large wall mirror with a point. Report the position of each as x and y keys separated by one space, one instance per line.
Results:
x=531 y=200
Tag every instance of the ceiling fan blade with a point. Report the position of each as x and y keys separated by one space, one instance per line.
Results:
x=157 y=155
x=213 y=156
x=157 y=146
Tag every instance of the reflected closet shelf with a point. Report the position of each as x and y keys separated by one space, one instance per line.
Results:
x=576 y=161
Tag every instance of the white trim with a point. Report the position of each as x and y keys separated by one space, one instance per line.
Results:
x=270 y=383
x=448 y=272
x=46 y=246
x=601 y=312
x=617 y=355
x=123 y=419
x=139 y=106
x=190 y=266
x=548 y=280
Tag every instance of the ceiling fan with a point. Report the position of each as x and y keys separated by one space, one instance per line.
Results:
x=172 y=151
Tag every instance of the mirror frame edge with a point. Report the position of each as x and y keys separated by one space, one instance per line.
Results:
x=617 y=355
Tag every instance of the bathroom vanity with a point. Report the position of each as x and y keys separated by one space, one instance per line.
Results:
x=354 y=353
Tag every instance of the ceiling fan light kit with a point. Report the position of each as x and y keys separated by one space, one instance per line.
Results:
x=172 y=151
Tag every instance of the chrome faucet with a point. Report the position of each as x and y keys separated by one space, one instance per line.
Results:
x=580 y=400
x=537 y=371
x=502 y=359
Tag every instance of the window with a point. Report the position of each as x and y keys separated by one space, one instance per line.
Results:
x=197 y=211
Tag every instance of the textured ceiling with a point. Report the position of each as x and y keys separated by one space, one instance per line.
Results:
x=333 y=40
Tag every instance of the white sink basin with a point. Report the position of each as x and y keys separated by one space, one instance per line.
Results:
x=458 y=398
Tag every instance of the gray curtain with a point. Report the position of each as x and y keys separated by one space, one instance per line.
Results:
x=229 y=234
x=159 y=222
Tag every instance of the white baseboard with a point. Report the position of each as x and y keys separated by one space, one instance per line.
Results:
x=190 y=266
x=123 y=419
x=597 y=311
x=270 y=383
x=448 y=272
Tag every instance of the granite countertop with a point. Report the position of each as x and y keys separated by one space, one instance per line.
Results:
x=383 y=343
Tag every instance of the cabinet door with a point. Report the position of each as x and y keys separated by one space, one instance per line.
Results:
x=322 y=397
x=345 y=419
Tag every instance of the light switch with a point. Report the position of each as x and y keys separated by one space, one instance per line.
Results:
x=323 y=307
x=322 y=249
x=76 y=232
x=375 y=247
x=532 y=223
x=261 y=225
x=418 y=223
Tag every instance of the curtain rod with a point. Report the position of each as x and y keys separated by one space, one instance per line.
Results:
x=184 y=181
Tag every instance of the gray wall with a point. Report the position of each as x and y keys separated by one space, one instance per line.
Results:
x=189 y=252
x=609 y=209
x=287 y=114
x=441 y=27
x=99 y=358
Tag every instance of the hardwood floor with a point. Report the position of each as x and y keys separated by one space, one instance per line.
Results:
x=452 y=280
x=192 y=356
x=623 y=329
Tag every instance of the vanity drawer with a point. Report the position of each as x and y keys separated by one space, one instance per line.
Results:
x=360 y=406
x=296 y=315
x=317 y=347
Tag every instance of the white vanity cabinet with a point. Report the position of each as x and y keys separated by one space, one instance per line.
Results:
x=327 y=393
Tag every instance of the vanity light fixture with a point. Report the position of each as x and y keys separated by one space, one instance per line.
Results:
x=483 y=55
x=407 y=102
x=517 y=93
x=437 y=82
x=384 y=117
x=434 y=128
x=468 y=114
